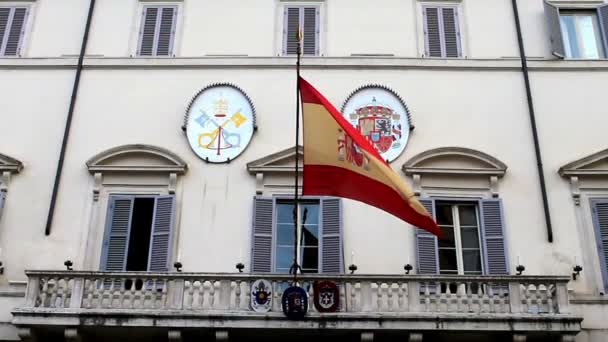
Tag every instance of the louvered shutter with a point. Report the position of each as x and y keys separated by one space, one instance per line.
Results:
x=310 y=29
x=602 y=14
x=290 y=30
x=555 y=30
x=600 y=222
x=331 y=236
x=432 y=32
x=261 y=249
x=147 y=32
x=12 y=29
x=116 y=239
x=166 y=31
x=162 y=229
x=493 y=236
x=426 y=244
x=451 y=31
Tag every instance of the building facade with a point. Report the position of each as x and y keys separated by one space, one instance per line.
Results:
x=147 y=149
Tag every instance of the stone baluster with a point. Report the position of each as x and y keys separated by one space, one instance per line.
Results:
x=211 y=294
x=32 y=292
x=200 y=294
x=77 y=293
x=540 y=297
x=389 y=293
x=400 y=296
x=549 y=290
x=225 y=293
x=52 y=288
x=480 y=297
x=427 y=296
x=311 y=296
x=469 y=296
x=353 y=297
x=515 y=297
x=237 y=294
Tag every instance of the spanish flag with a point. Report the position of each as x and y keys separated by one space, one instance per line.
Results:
x=339 y=161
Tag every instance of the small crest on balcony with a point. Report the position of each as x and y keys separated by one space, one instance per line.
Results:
x=327 y=296
x=261 y=296
x=295 y=302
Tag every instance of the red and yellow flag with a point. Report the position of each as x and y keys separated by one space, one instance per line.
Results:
x=339 y=161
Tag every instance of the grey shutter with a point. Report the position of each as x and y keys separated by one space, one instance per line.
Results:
x=310 y=29
x=261 y=249
x=432 y=32
x=555 y=30
x=162 y=229
x=2 y=200
x=12 y=29
x=166 y=31
x=426 y=244
x=290 y=30
x=116 y=239
x=147 y=33
x=600 y=222
x=602 y=14
x=5 y=13
x=493 y=237
x=451 y=31
x=331 y=236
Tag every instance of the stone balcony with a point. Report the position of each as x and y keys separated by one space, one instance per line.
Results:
x=81 y=305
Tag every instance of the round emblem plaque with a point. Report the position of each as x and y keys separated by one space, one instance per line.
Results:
x=261 y=295
x=220 y=122
x=381 y=116
x=295 y=302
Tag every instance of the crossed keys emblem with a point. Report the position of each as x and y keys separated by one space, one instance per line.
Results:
x=220 y=138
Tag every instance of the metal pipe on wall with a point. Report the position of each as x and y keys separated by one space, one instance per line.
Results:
x=539 y=163
x=68 y=124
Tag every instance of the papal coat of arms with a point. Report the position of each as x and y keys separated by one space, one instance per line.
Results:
x=219 y=123
x=381 y=117
x=261 y=295
x=326 y=296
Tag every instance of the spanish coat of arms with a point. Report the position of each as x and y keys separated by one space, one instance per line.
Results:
x=326 y=296
x=382 y=117
x=261 y=295
x=219 y=123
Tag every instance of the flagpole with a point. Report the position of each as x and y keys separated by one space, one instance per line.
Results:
x=295 y=265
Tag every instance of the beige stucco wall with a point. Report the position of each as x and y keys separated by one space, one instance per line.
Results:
x=453 y=103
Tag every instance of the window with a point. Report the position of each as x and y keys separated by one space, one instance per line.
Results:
x=441 y=31
x=599 y=208
x=157 y=31
x=581 y=34
x=474 y=241
x=319 y=235
x=12 y=29
x=578 y=33
x=306 y=19
x=138 y=233
x=460 y=250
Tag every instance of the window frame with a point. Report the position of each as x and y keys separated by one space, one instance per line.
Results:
x=598 y=35
x=26 y=28
x=140 y=19
x=460 y=24
x=281 y=42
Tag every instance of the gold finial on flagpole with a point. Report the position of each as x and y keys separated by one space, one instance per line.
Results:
x=299 y=37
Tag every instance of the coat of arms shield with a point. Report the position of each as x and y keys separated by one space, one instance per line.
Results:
x=326 y=296
x=261 y=295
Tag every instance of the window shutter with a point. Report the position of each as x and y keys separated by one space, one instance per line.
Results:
x=2 y=200
x=166 y=32
x=432 y=32
x=602 y=14
x=290 y=30
x=261 y=249
x=116 y=239
x=492 y=224
x=451 y=31
x=162 y=232
x=600 y=222
x=555 y=30
x=311 y=31
x=12 y=29
x=147 y=32
x=426 y=244
x=331 y=238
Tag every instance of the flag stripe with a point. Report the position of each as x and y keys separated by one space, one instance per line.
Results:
x=324 y=180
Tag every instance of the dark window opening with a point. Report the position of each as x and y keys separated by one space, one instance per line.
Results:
x=141 y=229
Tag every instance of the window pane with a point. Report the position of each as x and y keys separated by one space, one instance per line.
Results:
x=470 y=237
x=467 y=215
x=310 y=236
x=310 y=258
x=568 y=24
x=444 y=214
x=448 y=237
x=285 y=234
x=310 y=213
x=472 y=260
x=285 y=213
x=590 y=43
x=284 y=257
x=447 y=260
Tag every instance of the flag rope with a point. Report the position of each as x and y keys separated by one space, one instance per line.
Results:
x=294 y=268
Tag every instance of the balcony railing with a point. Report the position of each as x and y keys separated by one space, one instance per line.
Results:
x=230 y=294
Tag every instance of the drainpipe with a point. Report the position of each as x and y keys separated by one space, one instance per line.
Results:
x=539 y=163
x=68 y=124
